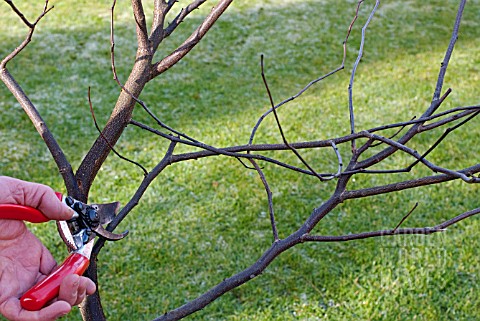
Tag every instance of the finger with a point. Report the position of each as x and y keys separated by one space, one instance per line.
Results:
x=86 y=287
x=34 y=195
x=12 y=310
x=82 y=291
x=69 y=289
x=91 y=287
x=44 y=198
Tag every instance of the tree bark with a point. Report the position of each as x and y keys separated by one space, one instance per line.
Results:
x=119 y=119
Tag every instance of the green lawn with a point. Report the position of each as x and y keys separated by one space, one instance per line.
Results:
x=205 y=220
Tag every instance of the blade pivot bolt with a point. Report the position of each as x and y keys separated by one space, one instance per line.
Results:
x=92 y=217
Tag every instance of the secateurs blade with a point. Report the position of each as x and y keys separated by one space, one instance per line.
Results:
x=87 y=223
x=78 y=234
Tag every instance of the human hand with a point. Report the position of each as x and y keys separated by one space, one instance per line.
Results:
x=24 y=260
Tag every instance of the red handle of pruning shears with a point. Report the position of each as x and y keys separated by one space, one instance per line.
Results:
x=48 y=289
x=22 y=213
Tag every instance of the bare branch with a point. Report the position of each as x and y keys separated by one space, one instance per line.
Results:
x=420 y=158
x=277 y=120
x=339 y=158
x=354 y=70
x=182 y=15
x=467 y=111
x=31 y=27
x=166 y=161
x=448 y=53
x=404 y=231
x=142 y=32
x=157 y=34
x=170 y=4
x=400 y=186
x=232 y=282
x=147 y=180
x=311 y=83
x=192 y=41
x=215 y=151
x=162 y=124
x=413 y=131
x=441 y=138
x=405 y=218
x=269 y=197
x=396 y=133
x=145 y=172
x=56 y=151
x=234 y=150
x=138 y=101
x=20 y=14
x=301 y=235
x=435 y=101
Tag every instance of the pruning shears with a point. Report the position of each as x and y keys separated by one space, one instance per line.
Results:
x=78 y=234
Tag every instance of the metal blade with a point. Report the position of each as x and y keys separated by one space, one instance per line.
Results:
x=99 y=230
x=78 y=231
x=106 y=212
x=66 y=235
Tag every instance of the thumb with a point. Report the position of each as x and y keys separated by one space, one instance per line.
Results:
x=35 y=195
x=51 y=206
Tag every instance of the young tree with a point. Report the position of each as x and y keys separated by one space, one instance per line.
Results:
x=368 y=148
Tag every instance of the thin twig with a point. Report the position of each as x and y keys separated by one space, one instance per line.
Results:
x=434 y=105
x=311 y=83
x=29 y=36
x=354 y=70
x=182 y=15
x=210 y=151
x=413 y=131
x=467 y=111
x=277 y=120
x=405 y=218
x=409 y=184
x=269 y=197
x=117 y=80
x=236 y=151
x=419 y=157
x=396 y=133
x=181 y=51
x=145 y=172
x=339 y=159
x=403 y=231
x=441 y=138
x=448 y=53
x=135 y=199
